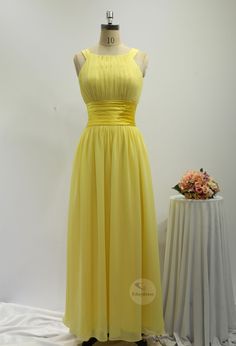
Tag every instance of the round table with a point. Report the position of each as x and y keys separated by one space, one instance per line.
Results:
x=198 y=300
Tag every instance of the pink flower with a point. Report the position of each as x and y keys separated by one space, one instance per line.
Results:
x=199 y=189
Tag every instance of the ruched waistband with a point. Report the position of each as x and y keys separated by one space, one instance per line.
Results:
x=111 y=112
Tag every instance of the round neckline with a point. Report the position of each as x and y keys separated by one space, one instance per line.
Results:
x=112 y=55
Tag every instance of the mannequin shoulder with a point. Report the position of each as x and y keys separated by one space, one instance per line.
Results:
x=143 y=59
x=79 y=57
x=79 y=60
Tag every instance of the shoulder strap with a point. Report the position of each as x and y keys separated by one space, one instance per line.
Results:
x=85 y=52
x=133 y=52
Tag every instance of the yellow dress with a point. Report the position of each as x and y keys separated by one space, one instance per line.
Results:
x=113 y=275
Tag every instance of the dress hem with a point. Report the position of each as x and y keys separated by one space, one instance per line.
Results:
x=147 y=334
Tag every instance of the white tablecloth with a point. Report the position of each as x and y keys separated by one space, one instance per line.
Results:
x=198 y=299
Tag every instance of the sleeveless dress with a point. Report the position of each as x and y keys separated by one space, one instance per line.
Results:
x=113 y=274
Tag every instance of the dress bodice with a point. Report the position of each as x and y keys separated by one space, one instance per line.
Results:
x=110 y=77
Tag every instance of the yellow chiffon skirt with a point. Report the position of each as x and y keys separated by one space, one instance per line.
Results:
x=113 y=273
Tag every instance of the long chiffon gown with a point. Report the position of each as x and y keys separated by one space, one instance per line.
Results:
x=113 y=274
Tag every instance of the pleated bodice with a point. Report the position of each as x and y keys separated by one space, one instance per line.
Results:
x=110 y=77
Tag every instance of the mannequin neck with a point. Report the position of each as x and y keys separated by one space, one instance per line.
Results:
x=109 y=42
x=109 y=38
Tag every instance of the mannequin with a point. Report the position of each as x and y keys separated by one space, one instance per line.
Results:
x=111 y=44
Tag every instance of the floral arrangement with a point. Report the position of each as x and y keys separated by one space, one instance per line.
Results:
x=197 y=185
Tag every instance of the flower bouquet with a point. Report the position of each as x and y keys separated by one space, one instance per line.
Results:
x=197 y=185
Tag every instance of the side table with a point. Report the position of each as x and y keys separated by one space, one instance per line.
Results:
x=198 y=300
